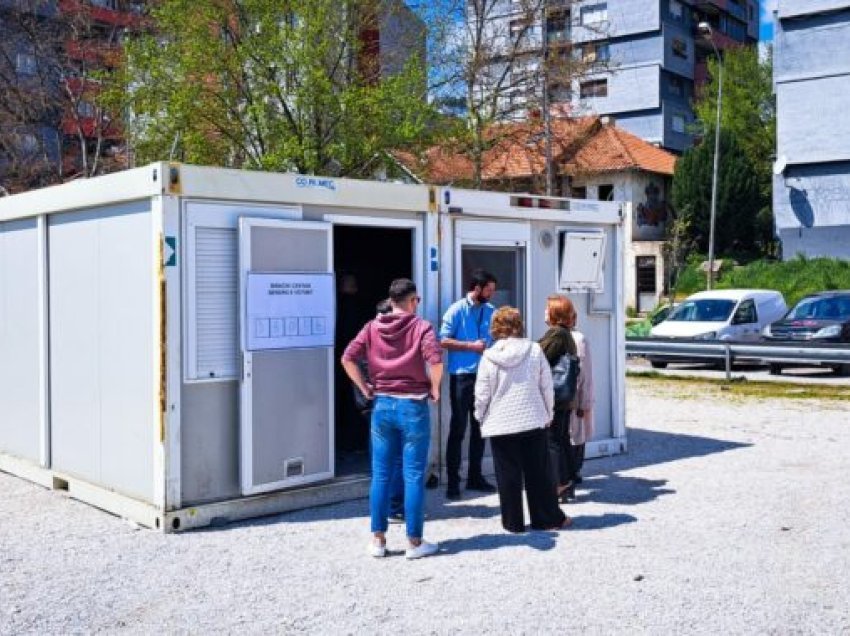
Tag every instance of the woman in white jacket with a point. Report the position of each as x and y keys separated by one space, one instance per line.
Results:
x=514 y=403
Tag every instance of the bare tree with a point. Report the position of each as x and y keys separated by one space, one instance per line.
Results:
x=503 y=61
x=54 y=61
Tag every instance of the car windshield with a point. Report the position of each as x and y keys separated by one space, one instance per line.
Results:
x=830 y=308
x=704 y=310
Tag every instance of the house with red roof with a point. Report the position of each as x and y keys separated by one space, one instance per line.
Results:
x=593 y=159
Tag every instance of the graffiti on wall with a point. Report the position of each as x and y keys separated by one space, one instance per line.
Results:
x=651 y=213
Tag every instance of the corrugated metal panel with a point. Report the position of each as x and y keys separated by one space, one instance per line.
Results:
x=216 y=302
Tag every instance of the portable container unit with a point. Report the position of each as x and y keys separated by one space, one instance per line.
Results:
x=170 y=335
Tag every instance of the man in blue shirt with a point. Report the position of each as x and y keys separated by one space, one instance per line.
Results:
x=465 y=333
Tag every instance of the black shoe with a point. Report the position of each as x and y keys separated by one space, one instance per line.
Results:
x=432 y=482
x=453 y=493
x=480 y=484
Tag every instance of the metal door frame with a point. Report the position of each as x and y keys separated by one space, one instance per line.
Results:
x=474 y=233
x=246 y=463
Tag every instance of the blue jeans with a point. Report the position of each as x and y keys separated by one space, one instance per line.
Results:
x=400 y=428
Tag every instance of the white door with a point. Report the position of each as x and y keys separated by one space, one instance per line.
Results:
x=745 y=325
x=286 y=326
x=501 y=249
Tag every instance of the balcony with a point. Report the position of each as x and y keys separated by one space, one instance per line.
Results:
x=72 y=126
x=94 y=52
x=104 y=13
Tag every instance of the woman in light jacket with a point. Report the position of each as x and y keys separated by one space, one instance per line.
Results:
x=514 y=403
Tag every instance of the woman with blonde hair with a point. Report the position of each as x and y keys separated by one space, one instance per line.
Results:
x=514 y=403
x=573 y=423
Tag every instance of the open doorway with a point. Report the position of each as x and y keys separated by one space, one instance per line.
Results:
x=366 y=261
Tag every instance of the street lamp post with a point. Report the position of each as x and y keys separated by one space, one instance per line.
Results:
x=705 y=28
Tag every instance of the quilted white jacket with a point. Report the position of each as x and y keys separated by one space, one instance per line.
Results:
x=513 y=392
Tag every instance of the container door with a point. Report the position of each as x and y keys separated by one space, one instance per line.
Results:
x=286 y=322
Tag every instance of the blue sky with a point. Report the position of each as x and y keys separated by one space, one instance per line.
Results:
x=766 y=25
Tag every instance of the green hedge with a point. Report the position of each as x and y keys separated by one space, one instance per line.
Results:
x=794 y=278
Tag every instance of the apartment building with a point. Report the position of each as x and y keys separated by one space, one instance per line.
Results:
x=52 y=53
x=642 y=59
x=811 y=188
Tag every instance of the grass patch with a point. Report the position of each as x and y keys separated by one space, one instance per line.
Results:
x=795 y=278
x=741 y=387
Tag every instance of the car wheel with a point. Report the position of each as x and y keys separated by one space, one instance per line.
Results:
x=841 y=369
x=774 y=369
x=658 y=364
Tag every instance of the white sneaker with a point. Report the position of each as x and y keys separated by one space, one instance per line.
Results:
x=376 y=550
x=422 y=550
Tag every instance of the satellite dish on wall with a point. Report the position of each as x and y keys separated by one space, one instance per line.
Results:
x=779 y=165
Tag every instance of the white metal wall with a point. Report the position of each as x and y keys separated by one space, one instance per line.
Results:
x=101 y=347
x=19 y=339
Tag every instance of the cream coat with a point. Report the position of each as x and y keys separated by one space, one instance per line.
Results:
x=581 y=428
x=513 y=391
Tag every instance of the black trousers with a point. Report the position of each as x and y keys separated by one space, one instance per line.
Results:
x=521 y=460
x=565 y=459
x=576 y=461
x=462 y=396
x=558 y=445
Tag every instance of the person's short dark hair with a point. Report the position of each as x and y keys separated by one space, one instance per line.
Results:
x=384 y=307
x=480 y=278
x=401 y=289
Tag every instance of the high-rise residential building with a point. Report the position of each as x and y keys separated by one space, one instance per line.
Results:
x=637 y=61
x=52 y=57
x=811 y=73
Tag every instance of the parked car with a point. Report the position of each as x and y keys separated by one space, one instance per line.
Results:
x=723 y=314
x=819 y=318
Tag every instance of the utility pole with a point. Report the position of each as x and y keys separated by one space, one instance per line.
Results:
x=705 y=28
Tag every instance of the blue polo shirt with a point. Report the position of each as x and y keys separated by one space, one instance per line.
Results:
x=468 y=322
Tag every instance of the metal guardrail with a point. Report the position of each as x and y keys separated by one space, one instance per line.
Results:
x=730 y=352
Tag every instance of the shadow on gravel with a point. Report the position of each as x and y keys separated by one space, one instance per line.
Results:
x=648 y=448
x=439 y=510
x=536 y=540
x=617 y=489
x=600 y=522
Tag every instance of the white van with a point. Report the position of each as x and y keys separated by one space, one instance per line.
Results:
x=723 y=314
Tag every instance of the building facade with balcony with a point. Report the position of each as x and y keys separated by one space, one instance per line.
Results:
x=811 y=188
x=637 y=61
x=52 y=53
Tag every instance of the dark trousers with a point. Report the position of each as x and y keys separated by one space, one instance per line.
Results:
x=521 y=460
x=560 y=451
x=576 y=461
x=462 y=396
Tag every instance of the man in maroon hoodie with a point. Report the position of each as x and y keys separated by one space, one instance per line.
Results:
x=405 y=370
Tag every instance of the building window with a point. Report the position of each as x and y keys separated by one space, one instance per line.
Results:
x=676 y=9
x=85 y=109
x=679 y=124
x=594 y=14
x=606 y=192
x=558 y=26
x=520 y=29
x=578 y=192
x=25 y=64
x=28 y=143
x=594 y=88
x=680 y=48
x=594 y=52
x=677 y=86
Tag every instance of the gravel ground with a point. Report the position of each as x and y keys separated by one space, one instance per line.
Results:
x=726 y=517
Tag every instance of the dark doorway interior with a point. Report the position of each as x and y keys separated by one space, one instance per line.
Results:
x=366 y=261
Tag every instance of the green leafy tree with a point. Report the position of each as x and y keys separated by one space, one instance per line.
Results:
x=749 y=115
x=273 y=85
x=738 y=196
